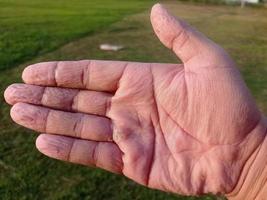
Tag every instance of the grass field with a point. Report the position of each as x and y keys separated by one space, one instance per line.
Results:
x=26 y=174
x=31 y=27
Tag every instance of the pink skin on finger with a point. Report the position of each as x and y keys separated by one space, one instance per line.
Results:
x=29 y=117
x=54 y=147
x=105 y=155
x=63 y=123
x=74 y=100
x=44 y=75
x=19 y=93
x=85 y=74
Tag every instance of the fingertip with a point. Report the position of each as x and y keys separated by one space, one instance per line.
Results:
x=43 y=146
x=29 y=116
x=154 y=10
x=9 y=94
x=39 y=73
x=54 y=146
x=41 y=143
x=164 y=24
x=19 y=92
x=157 y=7
x=15 y=111
x=29 y=73
x=158 y=12
x=26 y=74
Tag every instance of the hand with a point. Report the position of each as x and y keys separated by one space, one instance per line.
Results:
x=185 y=128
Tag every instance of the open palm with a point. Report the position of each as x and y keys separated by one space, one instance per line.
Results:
x=184 y=128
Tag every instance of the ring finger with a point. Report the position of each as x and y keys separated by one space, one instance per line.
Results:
x=78 y=125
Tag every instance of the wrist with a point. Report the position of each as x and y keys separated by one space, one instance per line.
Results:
x=252 y=184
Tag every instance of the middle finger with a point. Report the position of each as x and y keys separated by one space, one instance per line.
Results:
x=74 y=100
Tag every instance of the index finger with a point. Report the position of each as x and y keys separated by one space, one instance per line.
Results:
x=86 y=74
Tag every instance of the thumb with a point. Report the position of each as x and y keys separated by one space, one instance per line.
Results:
x=187 y=43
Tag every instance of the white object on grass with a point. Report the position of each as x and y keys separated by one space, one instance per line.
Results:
x=110 y=47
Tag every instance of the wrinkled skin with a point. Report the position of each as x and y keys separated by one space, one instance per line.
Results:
x=186 y=128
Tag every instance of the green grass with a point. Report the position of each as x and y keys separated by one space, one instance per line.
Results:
x=32 y=27
x=26 y=174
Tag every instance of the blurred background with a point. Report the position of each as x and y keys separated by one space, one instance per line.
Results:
x=42 y=30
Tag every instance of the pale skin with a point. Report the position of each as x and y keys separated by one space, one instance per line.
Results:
x=189 y=128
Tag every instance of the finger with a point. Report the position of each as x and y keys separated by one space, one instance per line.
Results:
x=104 y=155
x=92 y=75
x=187 y=43
x=85 y=101
x=47 y=120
